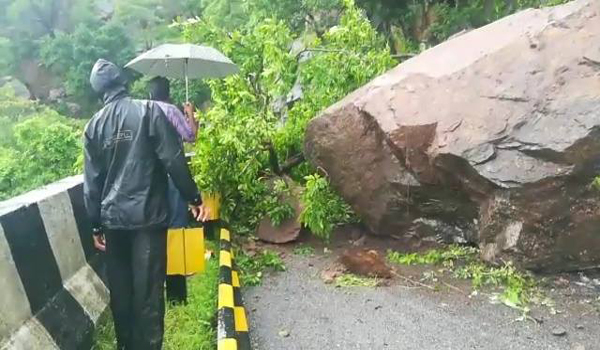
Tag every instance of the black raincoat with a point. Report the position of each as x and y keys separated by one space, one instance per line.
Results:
x=130 y=146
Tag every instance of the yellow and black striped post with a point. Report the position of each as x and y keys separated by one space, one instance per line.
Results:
x=232 y=329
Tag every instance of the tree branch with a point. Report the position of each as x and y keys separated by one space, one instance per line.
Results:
x=273 y=159
x=401 y=56
x=292 y=162
x=404 y=56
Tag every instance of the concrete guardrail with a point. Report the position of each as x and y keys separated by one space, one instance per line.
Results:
x=52 y=290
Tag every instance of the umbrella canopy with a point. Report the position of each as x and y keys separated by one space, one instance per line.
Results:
x=183 y=61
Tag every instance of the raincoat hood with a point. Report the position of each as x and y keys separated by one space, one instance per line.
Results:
x=107 y=79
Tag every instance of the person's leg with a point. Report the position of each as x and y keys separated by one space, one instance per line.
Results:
x=176 y=289
x=178 y=218
x=150 y=263
x=120 y=283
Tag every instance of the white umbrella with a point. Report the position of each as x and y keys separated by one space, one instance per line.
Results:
x=184 y=61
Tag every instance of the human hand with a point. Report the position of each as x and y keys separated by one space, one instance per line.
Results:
x=189 y=110
x=200 y=212
x=100 y=242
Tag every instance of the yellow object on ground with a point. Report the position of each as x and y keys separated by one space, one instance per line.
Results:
x=185 y=251
x=213 y=202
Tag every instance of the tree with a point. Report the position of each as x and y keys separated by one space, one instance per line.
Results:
x=7 y=58
x=72 y=55
x=23 y=24
x=38 y=18
x=148 y=21
x=246 y=134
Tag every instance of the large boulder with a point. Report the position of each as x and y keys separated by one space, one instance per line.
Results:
x=492 y=137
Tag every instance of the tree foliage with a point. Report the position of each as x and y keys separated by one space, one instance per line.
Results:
x=430 y=22
x=246 y=133
x=72 y=55
x=23 y=24
x=38 y=18
x=43 y=145
x=148 y=21
x=323 y=208
x=296 y=57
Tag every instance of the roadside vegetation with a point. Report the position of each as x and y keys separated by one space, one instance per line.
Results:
x=253 y=267
x=504 y=284
x=296 y=57
x=352 y=280
x=187 y=327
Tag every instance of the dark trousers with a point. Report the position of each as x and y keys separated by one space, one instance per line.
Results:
x=176 y=289
x=136 y=267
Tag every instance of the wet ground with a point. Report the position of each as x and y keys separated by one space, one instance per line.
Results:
x=297 y=310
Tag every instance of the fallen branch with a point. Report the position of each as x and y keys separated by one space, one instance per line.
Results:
x=292 y=162
x=410 y=280
x=456 y=289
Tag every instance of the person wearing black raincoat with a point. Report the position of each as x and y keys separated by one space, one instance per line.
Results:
x=130 y=147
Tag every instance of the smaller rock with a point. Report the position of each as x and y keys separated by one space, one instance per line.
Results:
x=579 y=326
x=364 y=262
x=284 y=333
x=559 y=332
x=577 y=346
x=289 y=229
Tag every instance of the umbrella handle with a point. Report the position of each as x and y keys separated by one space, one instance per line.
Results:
x=187 y=84
x=187 y=89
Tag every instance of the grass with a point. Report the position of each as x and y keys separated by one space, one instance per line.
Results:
x=252 y=267
x=304 y=250
x=517 y=288
x=445 y=256
x=187 y=327
x=351 y=280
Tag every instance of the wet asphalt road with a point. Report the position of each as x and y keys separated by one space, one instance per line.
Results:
x=295 y=310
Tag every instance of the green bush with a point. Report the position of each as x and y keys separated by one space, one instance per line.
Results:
x=40 y=146
x=323 y=208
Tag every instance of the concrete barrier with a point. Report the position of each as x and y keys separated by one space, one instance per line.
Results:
x=232 y=324
x=52 y=287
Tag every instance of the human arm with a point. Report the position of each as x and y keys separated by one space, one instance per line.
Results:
x=189 y=112
x=93 y=184
x=185 y=127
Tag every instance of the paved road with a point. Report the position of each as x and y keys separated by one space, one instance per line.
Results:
x=322 y=317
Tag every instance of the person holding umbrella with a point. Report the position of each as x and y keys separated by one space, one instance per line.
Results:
x=187 y=128
x=130 y=147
